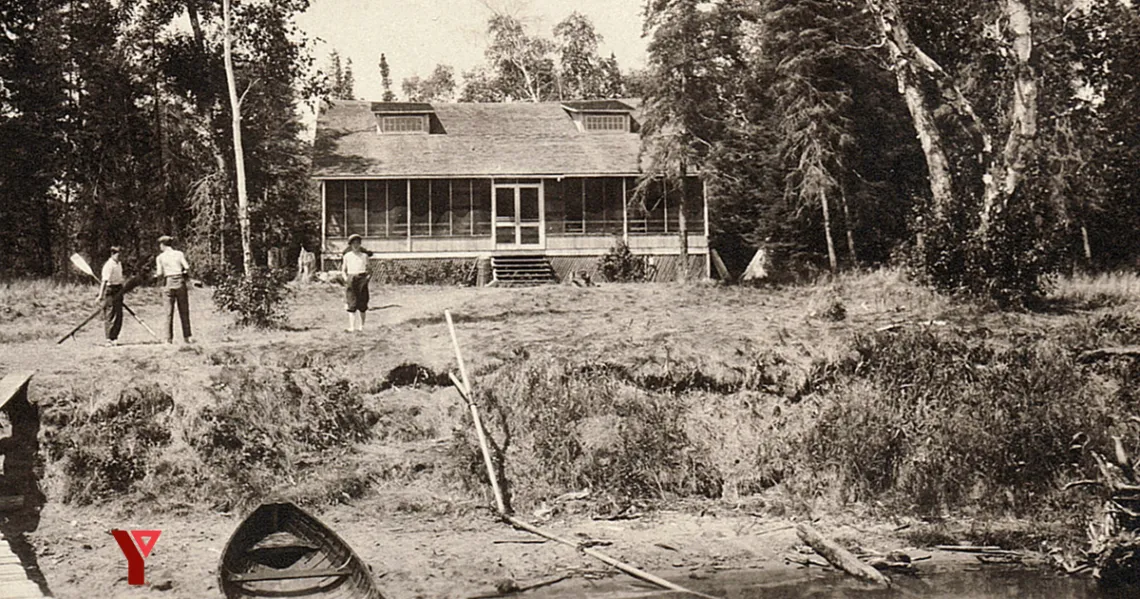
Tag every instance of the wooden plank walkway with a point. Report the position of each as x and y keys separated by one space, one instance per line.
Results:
x=14 y=581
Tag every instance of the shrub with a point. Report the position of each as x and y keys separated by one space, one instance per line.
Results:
x=565 y=426
x=621 y=265
x=259 y=299
x=107 y=453
x=430 y=272
x=943 y=421
x=269 y=423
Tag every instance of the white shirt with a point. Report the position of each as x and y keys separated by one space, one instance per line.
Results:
x=171 y=262
x=354 y=263
x=113 y=272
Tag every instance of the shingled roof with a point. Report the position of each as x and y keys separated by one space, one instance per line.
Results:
x=469 y=140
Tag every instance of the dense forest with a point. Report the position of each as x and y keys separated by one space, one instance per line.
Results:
x=988 y=144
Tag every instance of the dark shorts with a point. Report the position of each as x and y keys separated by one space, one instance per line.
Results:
x=356 y=293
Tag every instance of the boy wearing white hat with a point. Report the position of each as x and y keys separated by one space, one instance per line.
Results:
x=354 y=267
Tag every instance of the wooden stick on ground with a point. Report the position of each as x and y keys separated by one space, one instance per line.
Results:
x=840 y=557
x=464 y=388
x=624 y=567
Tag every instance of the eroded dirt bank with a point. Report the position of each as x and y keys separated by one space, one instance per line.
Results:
x=713 y=416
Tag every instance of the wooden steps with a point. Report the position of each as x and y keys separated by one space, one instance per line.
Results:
x=520 y=270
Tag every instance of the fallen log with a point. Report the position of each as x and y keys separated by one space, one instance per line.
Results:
x=1107 y=352
x=840 y=557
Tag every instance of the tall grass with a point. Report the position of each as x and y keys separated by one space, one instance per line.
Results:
x=1098 y=290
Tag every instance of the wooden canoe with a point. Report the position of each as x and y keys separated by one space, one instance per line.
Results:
x=282 y=551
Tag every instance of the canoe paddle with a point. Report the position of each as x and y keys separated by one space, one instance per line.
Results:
x=78 y=262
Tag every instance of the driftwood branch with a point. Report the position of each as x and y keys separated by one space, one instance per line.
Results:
x=840 y=557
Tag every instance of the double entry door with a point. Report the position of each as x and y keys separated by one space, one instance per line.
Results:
x=518 y=215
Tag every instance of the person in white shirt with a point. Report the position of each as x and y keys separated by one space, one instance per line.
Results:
x=172 y=266
x=354 y=267
x=111 y=295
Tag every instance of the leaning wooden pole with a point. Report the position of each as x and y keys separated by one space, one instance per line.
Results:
x=464 y=388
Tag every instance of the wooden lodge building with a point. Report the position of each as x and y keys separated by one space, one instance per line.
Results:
x=545 y=186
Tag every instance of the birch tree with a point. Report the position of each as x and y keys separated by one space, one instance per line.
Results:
x=968 y=157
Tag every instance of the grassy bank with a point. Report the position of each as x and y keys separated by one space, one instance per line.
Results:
x=865 y=391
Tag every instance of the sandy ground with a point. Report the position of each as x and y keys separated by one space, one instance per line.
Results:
x=460 y=551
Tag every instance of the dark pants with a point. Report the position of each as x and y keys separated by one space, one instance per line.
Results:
x=113 y=311
x=177 y=296
x=356 y=293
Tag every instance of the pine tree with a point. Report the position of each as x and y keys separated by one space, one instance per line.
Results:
x=386 y=80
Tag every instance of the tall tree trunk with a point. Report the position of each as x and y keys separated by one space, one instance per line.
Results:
x=239 y=159
x=1007 y=171
x=903 y=54
x=683 y=233
x=831 y=259
x=849 y=227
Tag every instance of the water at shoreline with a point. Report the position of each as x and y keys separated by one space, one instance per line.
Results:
x=974 y=583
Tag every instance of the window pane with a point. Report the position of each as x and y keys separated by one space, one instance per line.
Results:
x=375 y=193
x=606 y=122
x=505 y=234
x=572 y=195
x=355 y=199
x=481 y=199
x=528 y=235
x=504 y=204
x=421 y=202
x=398 y=207
x=440 y=207
x=402 y=124
x=334 y=208
x=461 y=207
x=528 y=204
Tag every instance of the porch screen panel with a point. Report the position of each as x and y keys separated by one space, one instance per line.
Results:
x=397 y=207
x=694 y=205
x=334 y=208
x=421 y=208
x=595 y=202
x=555 y=207
x=652 y=219
x=461 y=207
x=481 y=206
x=377 y=195
x=672 y=206
x=613 y=205
x=354 y=198
x=440 y=207
x=575 y=219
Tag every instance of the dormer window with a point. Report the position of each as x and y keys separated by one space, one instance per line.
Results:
x=402 y=117
x=601 y=116
x=412 y=123
x=606 y=122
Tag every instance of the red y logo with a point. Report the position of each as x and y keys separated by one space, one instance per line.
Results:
x=136 y=555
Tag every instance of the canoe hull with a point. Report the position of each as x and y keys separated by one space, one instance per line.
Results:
x=312 y=563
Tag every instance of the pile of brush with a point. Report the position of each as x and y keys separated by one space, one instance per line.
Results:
x=1114 y=533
